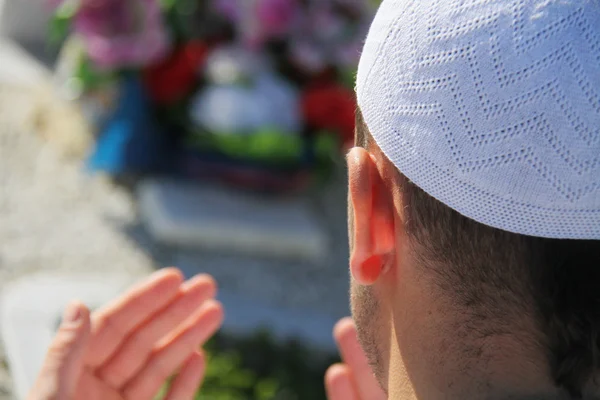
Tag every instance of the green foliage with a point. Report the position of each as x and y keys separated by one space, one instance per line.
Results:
x=176 y=14
x=226 y=378
x=271 y=147
x=348 y=77
x=185 y=7
x=283 y=371
x=327 y=150
x=60 y=22
x=90 y=77
x=266 y=145
x=259 y=368
x=167 y=4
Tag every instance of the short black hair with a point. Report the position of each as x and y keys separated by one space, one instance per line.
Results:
x=502 y=275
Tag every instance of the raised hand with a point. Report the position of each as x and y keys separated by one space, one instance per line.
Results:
x=353 y=378
x=128 y=349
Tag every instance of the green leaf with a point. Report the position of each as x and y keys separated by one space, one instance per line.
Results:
x=68 y=8
x=264 y=368
x=90 y=77
x=168 y=4
x=348 y=77
x=60 y=22
x=267 y=145
x=59 y=29
x=266 y=389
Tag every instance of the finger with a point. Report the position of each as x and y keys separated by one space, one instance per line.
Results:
x=189 y=379
x=131 y=356
x=339 y=384
x=113 y=323
x=172 y=351
x=64 y=360
x=91 y=387
x=354 y=357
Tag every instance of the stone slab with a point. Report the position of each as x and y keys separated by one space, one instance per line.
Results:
x=210 y=217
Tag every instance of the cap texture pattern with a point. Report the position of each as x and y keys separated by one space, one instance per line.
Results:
x=492 y=107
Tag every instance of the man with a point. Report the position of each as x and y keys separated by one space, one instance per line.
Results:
x=474 y=198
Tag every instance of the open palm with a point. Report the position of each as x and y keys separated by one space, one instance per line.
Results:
x=128 y=349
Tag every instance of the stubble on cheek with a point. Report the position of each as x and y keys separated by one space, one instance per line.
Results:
x=365 y=311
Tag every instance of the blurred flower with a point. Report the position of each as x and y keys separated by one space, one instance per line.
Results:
x=330 y=107
x=276 y=16
x=234 y=64
x=266 y=102
x=260 y=20
x=324 y=24
x=122 y=33
x=308 y=56
x=175 y=77
x=329 y=33
x=348 y=54
x=230 y=9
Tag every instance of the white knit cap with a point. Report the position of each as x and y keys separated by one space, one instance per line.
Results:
x=492 y=107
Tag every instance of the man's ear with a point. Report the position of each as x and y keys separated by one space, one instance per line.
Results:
x=372 y=212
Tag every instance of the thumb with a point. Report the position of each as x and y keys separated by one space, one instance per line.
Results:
x=65 y=357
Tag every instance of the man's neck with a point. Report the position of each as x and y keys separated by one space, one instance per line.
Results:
x=427 y=365
x=408 y=392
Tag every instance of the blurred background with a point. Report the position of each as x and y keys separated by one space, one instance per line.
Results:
x=205 y=134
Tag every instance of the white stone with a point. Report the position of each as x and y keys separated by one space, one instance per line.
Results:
x=24 y=20
x=18 y=68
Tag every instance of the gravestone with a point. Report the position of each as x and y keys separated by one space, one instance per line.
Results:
x=211 y=217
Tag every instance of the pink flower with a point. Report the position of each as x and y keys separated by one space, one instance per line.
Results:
x=260 y=20
x=276 y=16
x=122 y=33
x=229 y=8
x=308 y=56
x=348 y=54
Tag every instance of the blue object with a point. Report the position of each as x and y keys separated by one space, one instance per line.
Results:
x=131 y=141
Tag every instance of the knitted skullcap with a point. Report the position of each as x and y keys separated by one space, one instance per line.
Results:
x=492 y=107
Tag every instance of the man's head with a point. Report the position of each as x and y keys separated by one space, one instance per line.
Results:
x=476 y=166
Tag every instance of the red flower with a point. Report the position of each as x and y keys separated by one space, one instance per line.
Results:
x=330 y=107
x=174 y=78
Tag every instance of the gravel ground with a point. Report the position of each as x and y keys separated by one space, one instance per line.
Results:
x=53 y=217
